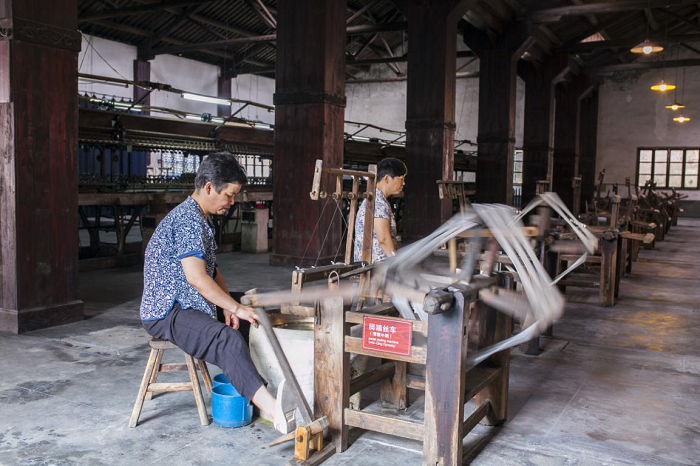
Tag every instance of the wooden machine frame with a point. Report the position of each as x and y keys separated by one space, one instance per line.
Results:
x=458 y=323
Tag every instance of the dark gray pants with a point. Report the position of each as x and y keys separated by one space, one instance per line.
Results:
x=202 y=337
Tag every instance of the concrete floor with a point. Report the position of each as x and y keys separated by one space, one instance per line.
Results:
x=616 y=386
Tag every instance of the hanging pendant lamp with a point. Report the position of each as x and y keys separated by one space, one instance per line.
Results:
x=647 y=48
x=663 y=86
x=676 y=105
x=681 y=118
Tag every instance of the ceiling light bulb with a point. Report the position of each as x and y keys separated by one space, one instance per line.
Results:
x=681 y=119
x=205 y=98
x=647 y=47
x=663 y=87
x=675 y=106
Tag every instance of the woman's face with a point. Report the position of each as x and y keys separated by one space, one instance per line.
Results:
x=395 y=184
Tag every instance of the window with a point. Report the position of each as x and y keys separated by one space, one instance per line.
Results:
x=518 y=167
x=257 y=168
x=668 y=167
x=465 y=176
x=597 y=37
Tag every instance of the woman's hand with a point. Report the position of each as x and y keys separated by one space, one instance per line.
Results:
x=232 y=317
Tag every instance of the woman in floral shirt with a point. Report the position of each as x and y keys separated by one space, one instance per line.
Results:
x=390 y=182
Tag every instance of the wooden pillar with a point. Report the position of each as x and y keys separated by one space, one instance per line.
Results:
x=566 y=133
x=39 y=45
x=588 y=145
x=142 y=72
x=430 y=111
x=497 y=85
x=538 y=130
x=223 y=90
x=444 y=385
x=309 y=114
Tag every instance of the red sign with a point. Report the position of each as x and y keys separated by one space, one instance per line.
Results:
x=387 y=335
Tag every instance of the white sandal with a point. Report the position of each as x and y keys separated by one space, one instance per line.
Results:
x=285 y=405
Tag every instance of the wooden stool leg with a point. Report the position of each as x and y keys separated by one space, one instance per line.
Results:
x=205 y=375
x=203 y=416
x=154 y=375
x=150 y=366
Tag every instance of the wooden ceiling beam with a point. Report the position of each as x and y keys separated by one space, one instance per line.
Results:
x=651 y=20
x=680 y=18
x=138 y=10
x=143 y=33
x=629 y=43
x=351 y=30
x=144 y=49
x=550 y=35
x=601 y=25
x=500 y=9
x=492 y=21
x=651 y=65
x=364 y=62
x=556 y=13
x=205 y=20
x=689 y=47
x=260 y=9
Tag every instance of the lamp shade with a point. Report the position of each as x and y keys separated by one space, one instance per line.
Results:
x=675 y=106
x=663 y=87
x=647 y=48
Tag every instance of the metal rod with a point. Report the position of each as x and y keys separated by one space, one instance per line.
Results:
x=302 y=404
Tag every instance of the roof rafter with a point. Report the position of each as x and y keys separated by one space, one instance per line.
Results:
x=650 y=65
x=137 y=10
x=556 y=13
x=351 y=30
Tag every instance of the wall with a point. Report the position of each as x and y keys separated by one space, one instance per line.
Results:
x=631 y=115
x=384 y=104
x=113 y=59
x=381 y=104
x=103 y=57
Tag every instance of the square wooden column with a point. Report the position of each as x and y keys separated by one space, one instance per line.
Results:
x=223 y=90
x=309 y=124
x=38 y=165
x=498 y=60
x=430 y=111
x=588 y=143
x=142 y=72
x=538 y=128
x=566 y=136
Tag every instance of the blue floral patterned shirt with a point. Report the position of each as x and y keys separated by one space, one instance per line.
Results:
x=382 y=209
x=184 y=232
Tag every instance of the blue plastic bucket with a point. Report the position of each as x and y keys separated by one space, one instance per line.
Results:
x=221 y=380
x=229 y=408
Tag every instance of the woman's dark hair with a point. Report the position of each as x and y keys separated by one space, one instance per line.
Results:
x=220 y=168
x=392 y=167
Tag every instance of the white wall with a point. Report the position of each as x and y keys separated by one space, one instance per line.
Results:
x=384 y=104
x=103 y=57
x=631 y=115
x=116 y=60
x=186 y=75
x=257 y=89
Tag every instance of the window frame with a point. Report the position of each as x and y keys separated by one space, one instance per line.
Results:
x=522 y=165
x=653 y=150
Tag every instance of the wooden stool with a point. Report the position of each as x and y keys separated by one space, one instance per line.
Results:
x=154 y=366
